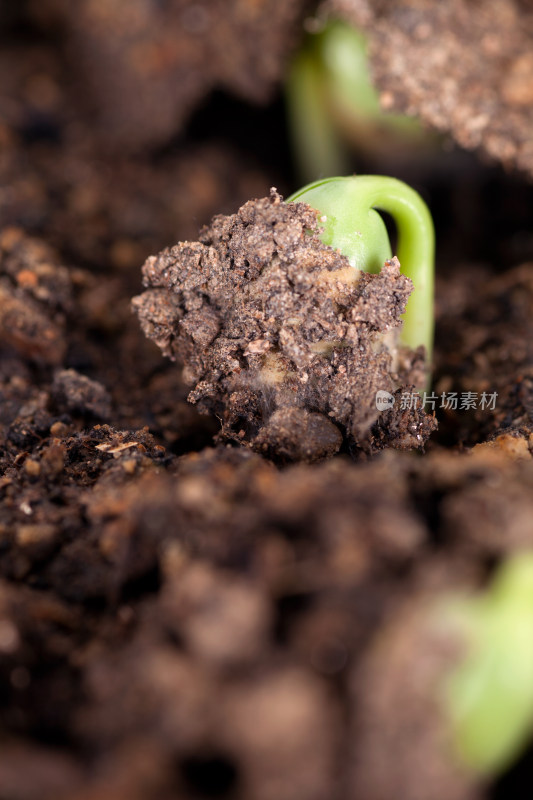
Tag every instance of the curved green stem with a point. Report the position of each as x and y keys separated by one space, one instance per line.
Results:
x=347 y=208
x=316 y=145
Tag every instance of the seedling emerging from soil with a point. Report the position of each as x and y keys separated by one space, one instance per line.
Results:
x=351 y=224
x=490 y=696
x=281 y=338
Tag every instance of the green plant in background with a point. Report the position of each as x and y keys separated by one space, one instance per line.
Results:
x=490 y=695
x=347 y=214
x=332 y=103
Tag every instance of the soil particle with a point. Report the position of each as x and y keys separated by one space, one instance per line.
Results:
x=294 y=434
x=35 y=294
x=74 y=392
x=267 y=322
x=222 y=621
x=298 y=717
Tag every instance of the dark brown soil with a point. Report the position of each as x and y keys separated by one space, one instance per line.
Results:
x=186 y=612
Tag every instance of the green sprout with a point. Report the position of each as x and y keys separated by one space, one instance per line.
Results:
x=490 y=695
x=332 y=104
x=347 y=214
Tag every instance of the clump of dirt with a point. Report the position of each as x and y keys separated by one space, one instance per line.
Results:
x=35 y=294
x=281 y=338
x=463 y=67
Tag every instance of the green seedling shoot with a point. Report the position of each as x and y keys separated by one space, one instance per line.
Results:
x=348 y=216
x=333 y=107
x=490 y=695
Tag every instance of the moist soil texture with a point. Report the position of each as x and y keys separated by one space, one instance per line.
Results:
x=220 y=563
